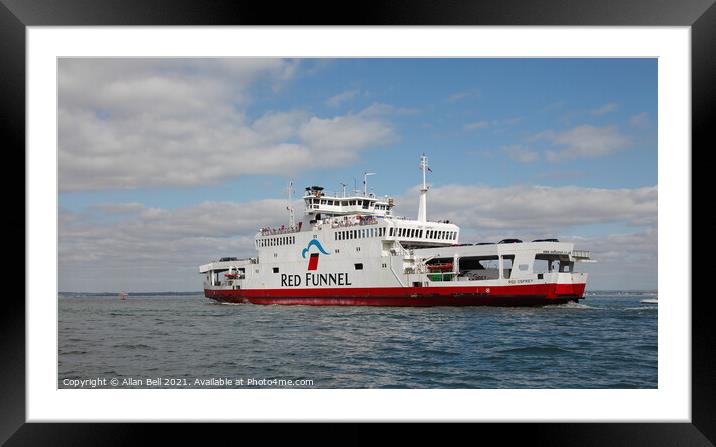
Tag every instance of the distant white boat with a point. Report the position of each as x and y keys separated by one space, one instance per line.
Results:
x=650 y=301
x=122 y=296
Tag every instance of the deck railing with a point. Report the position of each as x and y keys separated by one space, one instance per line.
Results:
x=581 y=254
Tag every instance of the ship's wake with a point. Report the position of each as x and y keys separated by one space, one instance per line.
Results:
x=570 y=305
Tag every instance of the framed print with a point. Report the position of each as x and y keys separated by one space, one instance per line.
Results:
x=213 y=151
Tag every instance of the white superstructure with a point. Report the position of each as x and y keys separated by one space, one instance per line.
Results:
x=351 y=249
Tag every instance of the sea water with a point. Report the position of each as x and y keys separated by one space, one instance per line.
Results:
x=608 y=340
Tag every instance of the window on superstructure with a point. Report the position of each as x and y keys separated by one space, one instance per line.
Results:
x=390 y=233
x=507 y=265
x=359 y=266
x=275 y=269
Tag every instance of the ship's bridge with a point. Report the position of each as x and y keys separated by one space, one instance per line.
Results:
x=318 y=203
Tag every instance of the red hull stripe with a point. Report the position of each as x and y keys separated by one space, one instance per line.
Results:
x=407 y=296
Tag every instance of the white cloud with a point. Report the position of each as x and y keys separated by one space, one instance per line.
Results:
x=130 y=123
x=536 y=208
x=157 y=249
x=640 y=120
x=477 y=125
x=520 y=153
x=624 y=260
x=464 y=94
x=606 y=108
x=583 y=142
x=493 y=124
x=337 y=100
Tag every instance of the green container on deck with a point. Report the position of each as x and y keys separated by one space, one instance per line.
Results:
x=436 y=277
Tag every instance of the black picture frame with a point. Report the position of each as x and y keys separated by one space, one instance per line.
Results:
x=16 y=15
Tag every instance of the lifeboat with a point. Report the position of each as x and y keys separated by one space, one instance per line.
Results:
x=440 y=267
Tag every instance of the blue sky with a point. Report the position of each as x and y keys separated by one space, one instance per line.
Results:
x=168 y=136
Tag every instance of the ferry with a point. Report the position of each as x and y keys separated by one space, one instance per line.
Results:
x=350 y=250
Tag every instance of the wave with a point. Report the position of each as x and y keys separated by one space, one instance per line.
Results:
x=537 y=350
x=642 y=293
x=570 y=305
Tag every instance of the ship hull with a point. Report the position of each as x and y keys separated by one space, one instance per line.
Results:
x=535 y=295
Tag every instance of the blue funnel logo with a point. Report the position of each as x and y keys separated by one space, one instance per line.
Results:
x=315 y=243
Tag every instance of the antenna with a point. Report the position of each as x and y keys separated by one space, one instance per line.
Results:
x=365 y=182
x=424 y=167
x=344 y=189
x=423 y=203
x=291 y=218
